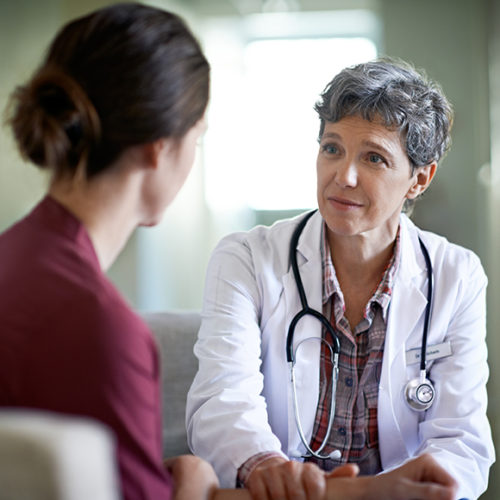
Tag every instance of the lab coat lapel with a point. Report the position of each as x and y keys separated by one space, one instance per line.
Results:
x=409 y=295
x=307 y=365
x=403 y=327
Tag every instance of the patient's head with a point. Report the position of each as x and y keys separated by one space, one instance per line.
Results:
x=124 y=75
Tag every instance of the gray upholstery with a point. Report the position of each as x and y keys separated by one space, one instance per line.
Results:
x=176 y=333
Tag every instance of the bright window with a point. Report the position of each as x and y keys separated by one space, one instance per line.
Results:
x=261 y=145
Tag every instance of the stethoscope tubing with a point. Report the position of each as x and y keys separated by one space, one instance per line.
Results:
x=335 y=347
x=334 y=378
x=306 y=310
x=427 y=318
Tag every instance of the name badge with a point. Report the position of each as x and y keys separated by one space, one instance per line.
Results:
x=436 y=351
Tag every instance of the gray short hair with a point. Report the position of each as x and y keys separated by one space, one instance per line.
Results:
x=401 y=97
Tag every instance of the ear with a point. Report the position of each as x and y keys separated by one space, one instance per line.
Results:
x=422 y=177
x=152 y=152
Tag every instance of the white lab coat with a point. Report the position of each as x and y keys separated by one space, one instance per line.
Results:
x=240 y=401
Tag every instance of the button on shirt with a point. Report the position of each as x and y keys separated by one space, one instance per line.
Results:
x=354 y=432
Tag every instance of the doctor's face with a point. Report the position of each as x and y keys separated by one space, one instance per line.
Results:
x=364 y=177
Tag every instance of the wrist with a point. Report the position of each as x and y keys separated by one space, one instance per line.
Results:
x=354 y=488
x=259 y=460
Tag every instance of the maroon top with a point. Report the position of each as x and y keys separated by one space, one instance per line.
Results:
x=70 y=343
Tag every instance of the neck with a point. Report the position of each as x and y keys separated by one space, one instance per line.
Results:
x=362 y=259
x=106 y=206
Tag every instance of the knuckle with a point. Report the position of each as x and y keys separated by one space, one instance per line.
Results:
x=292 y=467
x=312 y=469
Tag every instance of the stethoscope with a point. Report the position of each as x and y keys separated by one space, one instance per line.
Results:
x=419 y=393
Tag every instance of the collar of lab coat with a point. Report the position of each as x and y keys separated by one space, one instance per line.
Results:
x=409 y=296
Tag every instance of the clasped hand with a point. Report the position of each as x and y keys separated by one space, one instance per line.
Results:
x=420 y=478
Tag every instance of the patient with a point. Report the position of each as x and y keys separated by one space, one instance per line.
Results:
x=114 y=113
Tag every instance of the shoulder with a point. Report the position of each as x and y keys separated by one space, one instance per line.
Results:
x=262 y=235
x=446 y=257
x=264 y=245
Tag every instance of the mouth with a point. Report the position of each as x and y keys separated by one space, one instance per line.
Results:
x=343 y=203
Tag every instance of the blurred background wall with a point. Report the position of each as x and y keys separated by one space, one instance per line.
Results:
x=248 y=148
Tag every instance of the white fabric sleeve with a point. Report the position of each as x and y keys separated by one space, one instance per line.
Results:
x=226 y=415
x=456 y=430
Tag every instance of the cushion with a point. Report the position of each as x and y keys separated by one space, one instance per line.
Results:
x=176 y=333
x=44 y=456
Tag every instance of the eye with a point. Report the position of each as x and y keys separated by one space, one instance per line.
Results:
x=330 y=149
x=375 y=159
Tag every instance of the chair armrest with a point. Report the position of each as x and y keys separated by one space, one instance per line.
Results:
x=49 y=456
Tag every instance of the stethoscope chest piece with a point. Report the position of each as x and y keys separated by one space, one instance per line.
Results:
x=420 y=393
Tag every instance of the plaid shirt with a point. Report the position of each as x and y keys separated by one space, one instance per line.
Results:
x=354 y=432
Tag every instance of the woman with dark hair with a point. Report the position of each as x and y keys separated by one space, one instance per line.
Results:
x=348 y=335
x=114 y=113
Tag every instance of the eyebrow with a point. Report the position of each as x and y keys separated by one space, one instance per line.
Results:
x=371 y=144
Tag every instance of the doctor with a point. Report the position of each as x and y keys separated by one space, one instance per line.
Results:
x=380 y=289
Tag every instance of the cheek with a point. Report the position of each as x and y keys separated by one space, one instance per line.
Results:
x=322 y=176
x=187 y=163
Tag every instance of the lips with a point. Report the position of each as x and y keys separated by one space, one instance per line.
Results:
x=343 y=203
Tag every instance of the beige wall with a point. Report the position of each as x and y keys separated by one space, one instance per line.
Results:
x=447 y=37
x=493 y=238
x=26 y=29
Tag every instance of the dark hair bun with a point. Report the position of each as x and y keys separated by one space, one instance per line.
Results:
x=54 y=123
x=123 y=75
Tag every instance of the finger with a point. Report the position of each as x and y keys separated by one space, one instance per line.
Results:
x=292 y=479
x=257 y=488
x=314 y=482
x=346 y=470
x=268 y=484
x=433 y=472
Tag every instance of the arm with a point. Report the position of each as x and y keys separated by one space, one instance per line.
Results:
x=418 y=479
x=101 y=363
x=456 y=430
x=421 y=478
x=227 y=419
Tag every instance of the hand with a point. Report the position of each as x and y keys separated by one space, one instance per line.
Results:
x=278 y=478
x=192 y=476
x=418 y=479
x=426 y=478
x=346 y=470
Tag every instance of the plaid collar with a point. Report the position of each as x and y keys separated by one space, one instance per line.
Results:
x=381 y=296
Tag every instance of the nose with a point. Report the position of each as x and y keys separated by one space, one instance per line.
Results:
x=346 y=174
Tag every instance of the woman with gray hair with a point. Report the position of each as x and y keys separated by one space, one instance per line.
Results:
x=348 y=335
